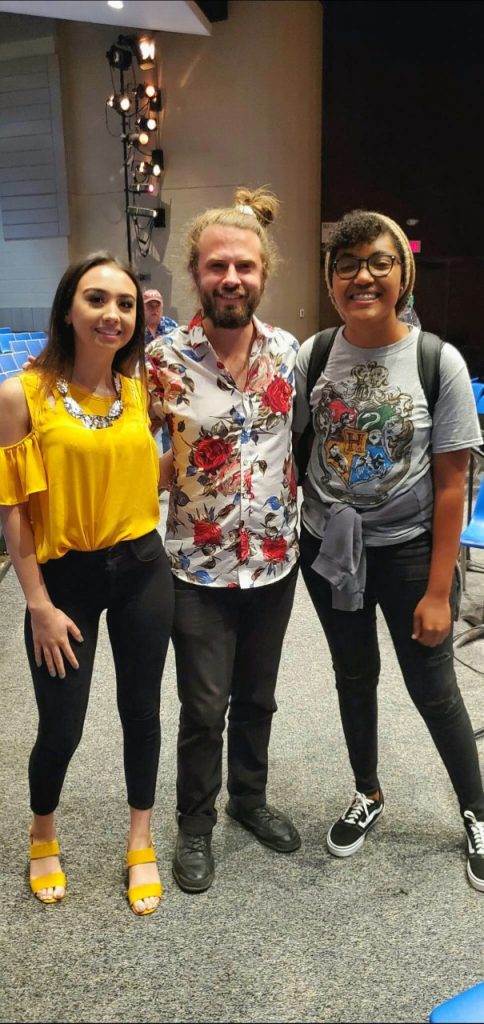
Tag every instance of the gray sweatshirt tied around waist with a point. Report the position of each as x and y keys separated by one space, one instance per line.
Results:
x=341 y=559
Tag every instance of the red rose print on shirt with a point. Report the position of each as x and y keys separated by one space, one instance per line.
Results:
x=228 y=480
x=173 y=386
x=205 y=532
x=156 y=373
x=211 y=452
x=260 y=374
x=243 y=546
x=248 y=484
x=274 y=549
x=290 y=477
x=278 y=395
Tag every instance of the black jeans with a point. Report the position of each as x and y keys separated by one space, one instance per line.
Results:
x=228 y=646
x=133 y=581
x=396 y=580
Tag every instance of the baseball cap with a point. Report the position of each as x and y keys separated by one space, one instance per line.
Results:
x=152 y=295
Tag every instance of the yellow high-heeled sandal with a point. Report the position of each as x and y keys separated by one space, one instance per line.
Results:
x=141 y=892
x=52 y=881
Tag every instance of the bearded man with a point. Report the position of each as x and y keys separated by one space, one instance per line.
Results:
x=225 y=386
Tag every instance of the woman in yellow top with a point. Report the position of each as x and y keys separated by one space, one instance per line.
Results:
x=79 y=478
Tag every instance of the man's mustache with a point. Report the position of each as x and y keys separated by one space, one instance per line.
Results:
x=229 y=294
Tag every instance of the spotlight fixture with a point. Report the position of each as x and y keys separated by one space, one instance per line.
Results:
x=143 y=49
x=153 y=166
x=119 y=57
x=147 y=124
x=158 y=162
x=140 y=211
x=119 y=102
x=146 y=91
x=137 y=137
x=155 y=100
x=138 y=104
x=144 y=186
x=159 y=217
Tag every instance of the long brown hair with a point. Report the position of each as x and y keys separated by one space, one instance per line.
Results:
x=57 y=357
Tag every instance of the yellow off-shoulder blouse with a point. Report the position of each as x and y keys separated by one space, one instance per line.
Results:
x=85 y=489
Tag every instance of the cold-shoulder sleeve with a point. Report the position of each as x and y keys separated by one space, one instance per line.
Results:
x=22 y=471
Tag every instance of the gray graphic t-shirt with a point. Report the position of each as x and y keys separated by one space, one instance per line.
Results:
x=374 y=436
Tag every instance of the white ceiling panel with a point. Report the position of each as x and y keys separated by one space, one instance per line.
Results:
x=154 y=15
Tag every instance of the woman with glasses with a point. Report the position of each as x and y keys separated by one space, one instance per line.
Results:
x=382 y=516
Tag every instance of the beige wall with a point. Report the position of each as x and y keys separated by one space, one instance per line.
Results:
x=242 y=106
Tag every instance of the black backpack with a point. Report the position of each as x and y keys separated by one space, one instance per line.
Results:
x=429 y=347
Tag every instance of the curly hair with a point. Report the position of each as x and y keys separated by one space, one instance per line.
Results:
x=365 y=226
x=252 y=211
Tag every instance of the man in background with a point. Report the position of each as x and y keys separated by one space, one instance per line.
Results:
x=156 y=325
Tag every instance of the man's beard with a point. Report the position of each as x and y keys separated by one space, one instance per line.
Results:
x=238 y=315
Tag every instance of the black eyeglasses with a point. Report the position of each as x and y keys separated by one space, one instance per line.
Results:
x=379 y=264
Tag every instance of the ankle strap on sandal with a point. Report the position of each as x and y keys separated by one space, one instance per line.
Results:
x=146 y=856
x=39 y=850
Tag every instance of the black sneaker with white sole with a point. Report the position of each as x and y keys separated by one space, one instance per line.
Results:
x=348 y=833
x=475 y=844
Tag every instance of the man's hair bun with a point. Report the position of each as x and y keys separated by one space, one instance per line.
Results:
x=263 y=203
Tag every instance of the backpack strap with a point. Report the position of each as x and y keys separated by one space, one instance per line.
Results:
x=322 y=346
x=429 y=348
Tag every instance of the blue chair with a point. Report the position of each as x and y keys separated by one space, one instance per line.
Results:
x=5 y=342
x=472 y=536
x=25 y=336
x=20 y=358
x=18 y=346
x=5 y=330
x=34 y=347
x=40 y=335
x=466 y=1008
x=8 y=363
x=478 y=389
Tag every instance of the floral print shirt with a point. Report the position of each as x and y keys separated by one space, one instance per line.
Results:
x=233 y=511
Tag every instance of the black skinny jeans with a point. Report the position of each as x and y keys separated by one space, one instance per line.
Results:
x=133 y=581
x=396 y=580
x=228 y=646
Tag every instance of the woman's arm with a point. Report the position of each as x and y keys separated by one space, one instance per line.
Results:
x=166 y=470
x=432 y=616
x=50 y=627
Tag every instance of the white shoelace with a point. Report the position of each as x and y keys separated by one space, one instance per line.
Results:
x=477 y=832
x=360 y=805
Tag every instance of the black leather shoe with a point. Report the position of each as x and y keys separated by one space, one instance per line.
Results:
x=193 y=865
x=270 y=826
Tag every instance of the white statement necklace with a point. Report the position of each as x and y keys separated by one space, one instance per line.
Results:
x=88 y=420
